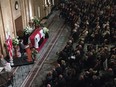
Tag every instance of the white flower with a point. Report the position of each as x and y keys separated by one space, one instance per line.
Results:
x=27 y=30
x=45 y=30
x=15 y=41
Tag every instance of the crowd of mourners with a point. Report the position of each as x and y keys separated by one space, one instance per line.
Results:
x=92 y=62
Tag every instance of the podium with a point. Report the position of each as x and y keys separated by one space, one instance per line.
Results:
x=29 y=54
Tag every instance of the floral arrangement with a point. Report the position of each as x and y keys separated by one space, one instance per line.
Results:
x=36 y=21
x=34 y=53
x=45 y=30
x=28 y=30
x=15 y=42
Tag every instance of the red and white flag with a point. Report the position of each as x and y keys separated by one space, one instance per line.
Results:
x=9 y=45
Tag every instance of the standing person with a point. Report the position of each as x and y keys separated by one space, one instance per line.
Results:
x=22 y=47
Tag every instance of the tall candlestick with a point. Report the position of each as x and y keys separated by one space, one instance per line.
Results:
x=46 y=3
x=52 y=2
x=39 y=11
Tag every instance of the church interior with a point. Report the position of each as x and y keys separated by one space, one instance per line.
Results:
x=57 y=43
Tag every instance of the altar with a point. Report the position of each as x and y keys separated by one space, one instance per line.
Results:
x=36 y=39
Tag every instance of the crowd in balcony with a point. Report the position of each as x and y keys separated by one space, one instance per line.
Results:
x=92 y=62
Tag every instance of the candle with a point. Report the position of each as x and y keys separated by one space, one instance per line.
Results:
x=49 y=2
x=46 y=4
x=52 y=2
x=39 y=11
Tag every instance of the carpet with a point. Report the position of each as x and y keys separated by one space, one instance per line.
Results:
x=19 y=61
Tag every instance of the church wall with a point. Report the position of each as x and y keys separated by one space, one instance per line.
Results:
x=2 y=36
x=7 y=17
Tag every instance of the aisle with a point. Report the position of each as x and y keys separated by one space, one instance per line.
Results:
x=50 y=62
x=58 y=36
